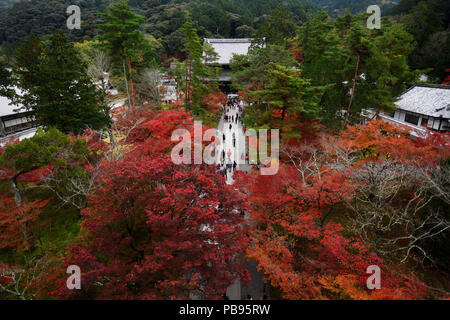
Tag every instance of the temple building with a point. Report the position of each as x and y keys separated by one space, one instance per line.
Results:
x=13 y=121
x=423 y=108
x=225 y=49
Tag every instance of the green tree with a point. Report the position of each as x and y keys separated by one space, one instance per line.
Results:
x=386 y=69
x=360 y=68
x=125 y=43
x=28 y=60
x=244 y=32
x=279 y=95
x=195 y=71
x=45 y=148
x=323 y=58
x=279 y=29
x=6 y=81
x=56 y=87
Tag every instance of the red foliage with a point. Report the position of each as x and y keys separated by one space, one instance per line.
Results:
x=17 y=223
x=380 y=140
x=213 y=101
x=298 y=53
x=155 y=230
x=302 y=251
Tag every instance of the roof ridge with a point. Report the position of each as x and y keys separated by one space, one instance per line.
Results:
x=230 y=40
x=426 y=85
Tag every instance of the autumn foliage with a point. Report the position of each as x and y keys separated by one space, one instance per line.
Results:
x=155 y=230
x=300 y=235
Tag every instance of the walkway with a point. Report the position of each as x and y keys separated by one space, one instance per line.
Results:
x=229 y=152
x=231 y=132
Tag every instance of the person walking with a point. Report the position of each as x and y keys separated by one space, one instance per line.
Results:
x=234 y=166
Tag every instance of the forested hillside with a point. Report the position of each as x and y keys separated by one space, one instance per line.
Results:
x=4 y=3
x=429 y=22
x=229 y=18
x=355 y=6
x=104 y=202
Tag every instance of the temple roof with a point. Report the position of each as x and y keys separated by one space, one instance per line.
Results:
x=225 y=48
x=433 y=101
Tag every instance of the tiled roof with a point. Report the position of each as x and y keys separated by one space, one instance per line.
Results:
x=225 y=48
x=432 y=101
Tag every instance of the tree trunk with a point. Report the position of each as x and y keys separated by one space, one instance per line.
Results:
x=353 y=90
x=283 y=114
x=126 y=84
x=187 y=76
x=17 y=196
x=130 y=80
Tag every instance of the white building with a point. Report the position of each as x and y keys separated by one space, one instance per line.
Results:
x=423 y=108
x=225 y=49
x=13 y=120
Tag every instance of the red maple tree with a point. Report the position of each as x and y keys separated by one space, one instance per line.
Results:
x=156 y=230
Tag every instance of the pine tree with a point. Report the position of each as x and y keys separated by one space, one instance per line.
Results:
x=387 y=71
x=278 y=29
x=124 y=42
x=280 y=96
x=195 y=71
x=57 y=89
x=360 y=68
x=323 y=59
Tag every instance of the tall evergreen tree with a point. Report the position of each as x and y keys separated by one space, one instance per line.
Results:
x=280 y=96
x=124 y=42
x=56 y=87
x=360 y=68
x=279 y=29
x=195 y=70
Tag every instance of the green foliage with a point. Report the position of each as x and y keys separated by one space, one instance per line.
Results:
x=56 y=87
x=45 y=17
x=121 y=36
x=279 y=29
x=122 y=39
x=164 y=18
x=427 y=21
x=6 y=81
x=343 y=54
x=280 y=96
x=337 y=7
x=44 y=148
x=195 y=69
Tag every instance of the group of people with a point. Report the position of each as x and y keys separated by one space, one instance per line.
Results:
x=232 y=116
